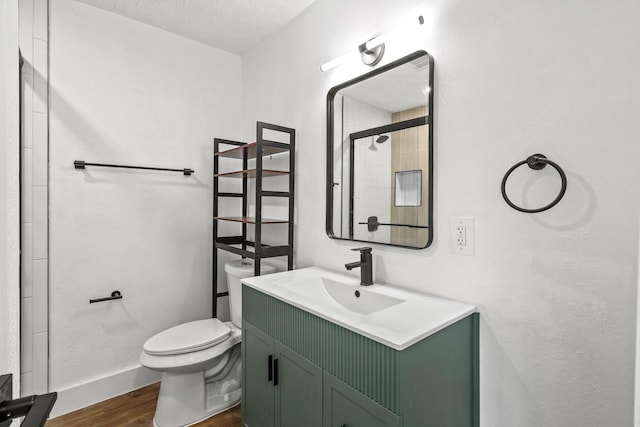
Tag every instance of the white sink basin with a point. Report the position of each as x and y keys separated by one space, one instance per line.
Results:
x=392 y=316
x=351 y=296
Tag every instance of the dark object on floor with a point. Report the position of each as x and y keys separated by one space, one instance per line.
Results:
x=35 y=409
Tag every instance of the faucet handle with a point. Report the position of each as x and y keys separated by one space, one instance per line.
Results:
x=364 y=250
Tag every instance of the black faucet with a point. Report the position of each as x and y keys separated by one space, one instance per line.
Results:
x=365 y=264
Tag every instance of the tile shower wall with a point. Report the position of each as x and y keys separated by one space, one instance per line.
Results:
x=410 y=152
x=33 y=34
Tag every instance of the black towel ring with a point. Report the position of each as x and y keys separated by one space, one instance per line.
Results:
x=536 y=162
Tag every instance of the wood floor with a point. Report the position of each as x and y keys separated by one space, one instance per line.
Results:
x=133 y=409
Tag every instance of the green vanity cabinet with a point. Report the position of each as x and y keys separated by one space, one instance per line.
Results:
x=281 y=388
x=329 y=376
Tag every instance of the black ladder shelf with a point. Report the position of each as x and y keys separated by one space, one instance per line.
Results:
x=240 y=244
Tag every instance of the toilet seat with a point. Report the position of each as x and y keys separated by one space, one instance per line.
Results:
x=187 y=338
x=193 y=360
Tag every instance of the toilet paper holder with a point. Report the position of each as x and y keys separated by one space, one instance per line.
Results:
x=114 y=295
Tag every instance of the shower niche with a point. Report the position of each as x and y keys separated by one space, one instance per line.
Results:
x=380 y=155
x=408 y=189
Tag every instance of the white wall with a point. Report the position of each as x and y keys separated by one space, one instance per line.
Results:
x=557 y=290
x=9 y=192
x=126 y=93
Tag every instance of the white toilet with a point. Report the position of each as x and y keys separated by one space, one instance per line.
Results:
x=200 y=361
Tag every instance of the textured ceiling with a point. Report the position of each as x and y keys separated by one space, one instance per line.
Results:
x=232 y=25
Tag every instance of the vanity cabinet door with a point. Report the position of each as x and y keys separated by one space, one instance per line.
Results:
x=258 y=391
x=298 y=397
x=280 y=387
x=343 y=406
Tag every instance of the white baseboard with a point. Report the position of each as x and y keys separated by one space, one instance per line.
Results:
x=80 y=396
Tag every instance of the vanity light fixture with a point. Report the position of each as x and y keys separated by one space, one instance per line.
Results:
x=371 y=51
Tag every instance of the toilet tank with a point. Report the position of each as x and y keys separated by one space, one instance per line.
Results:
x=237 y=270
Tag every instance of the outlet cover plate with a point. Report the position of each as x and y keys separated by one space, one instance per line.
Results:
x=461 y=235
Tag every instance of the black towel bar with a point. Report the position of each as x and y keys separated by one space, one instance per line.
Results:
x=114 y=295
x=373 y=224
x=80 y=164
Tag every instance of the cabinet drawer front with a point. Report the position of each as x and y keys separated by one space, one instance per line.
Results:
x=345 y=407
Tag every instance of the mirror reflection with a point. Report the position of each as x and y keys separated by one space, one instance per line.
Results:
x=380 y=164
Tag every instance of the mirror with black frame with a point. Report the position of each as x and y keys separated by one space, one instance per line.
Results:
x=380 y=155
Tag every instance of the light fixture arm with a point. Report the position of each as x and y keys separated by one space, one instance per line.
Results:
x=371 y=56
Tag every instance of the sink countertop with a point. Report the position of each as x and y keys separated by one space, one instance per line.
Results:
x=414 y=318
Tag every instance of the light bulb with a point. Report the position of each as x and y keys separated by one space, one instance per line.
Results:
x=339 y=60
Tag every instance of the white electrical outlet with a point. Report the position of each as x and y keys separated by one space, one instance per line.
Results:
x=461 y=235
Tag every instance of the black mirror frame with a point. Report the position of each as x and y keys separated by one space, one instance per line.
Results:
x=330 y=140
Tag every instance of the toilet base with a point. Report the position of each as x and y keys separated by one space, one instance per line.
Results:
x=188 y=398
x=207 y=416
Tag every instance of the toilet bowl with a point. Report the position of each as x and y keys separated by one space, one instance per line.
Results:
x=200 y=360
